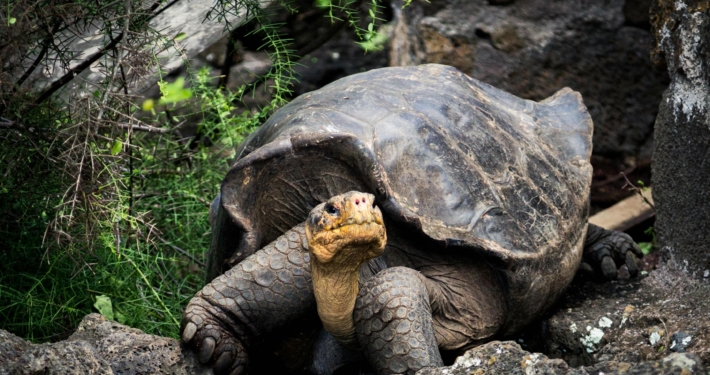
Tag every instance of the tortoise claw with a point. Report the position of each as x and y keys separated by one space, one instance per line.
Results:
x=206 y=350
x=609 y=269
x=189 y=332
x=223 y=362
x=632 y=264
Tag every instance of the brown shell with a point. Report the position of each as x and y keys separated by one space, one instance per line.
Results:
x=462 y=162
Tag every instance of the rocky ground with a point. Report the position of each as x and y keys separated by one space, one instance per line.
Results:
x=98 y=346
x=659 y=324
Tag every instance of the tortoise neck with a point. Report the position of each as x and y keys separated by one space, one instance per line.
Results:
x=335 y=287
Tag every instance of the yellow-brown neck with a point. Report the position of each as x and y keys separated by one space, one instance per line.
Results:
x=335 y=288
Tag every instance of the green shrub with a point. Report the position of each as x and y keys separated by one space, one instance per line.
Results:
x=104 y=206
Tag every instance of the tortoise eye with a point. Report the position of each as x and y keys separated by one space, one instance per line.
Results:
x=331 y=209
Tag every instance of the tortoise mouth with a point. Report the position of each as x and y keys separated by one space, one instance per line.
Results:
x=356 y=234
x=348 y=245
x=351 y=239
x=350 y=226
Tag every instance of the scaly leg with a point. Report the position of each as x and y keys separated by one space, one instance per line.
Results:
x=265 y=292
x=393 y=321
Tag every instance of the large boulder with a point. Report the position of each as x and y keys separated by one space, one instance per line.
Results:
x=532 y=48
x=98 y=346
x=681 y=165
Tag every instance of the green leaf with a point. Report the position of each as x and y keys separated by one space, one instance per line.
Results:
x=374 y=41
x=120 y=317
x=180 y=36
x=117 y=146
x=646 y=247
x=174 y=92
x=103 y=304
x=11 y=21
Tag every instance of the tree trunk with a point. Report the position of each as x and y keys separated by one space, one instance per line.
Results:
x=681 y=165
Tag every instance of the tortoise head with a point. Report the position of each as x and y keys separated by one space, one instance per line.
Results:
x=347 y=230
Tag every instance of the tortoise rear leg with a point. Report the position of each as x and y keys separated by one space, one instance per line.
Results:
x=263 y=293
x=607 y=250
x=393 y=322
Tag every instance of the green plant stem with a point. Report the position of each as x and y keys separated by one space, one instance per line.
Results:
x=155 y=294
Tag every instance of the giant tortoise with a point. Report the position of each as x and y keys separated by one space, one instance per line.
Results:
x=413 y=209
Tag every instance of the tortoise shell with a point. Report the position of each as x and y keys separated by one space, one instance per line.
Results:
x=460 y=162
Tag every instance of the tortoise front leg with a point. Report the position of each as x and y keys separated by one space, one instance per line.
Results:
x=263 y=293
x=393 y=322
x=607 y=250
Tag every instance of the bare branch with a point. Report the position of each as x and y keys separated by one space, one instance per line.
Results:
x=143 y=128
x=637 y=190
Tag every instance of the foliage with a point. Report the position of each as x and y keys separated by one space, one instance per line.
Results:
x=104 y=196
x=143 y=225
x=648 y=247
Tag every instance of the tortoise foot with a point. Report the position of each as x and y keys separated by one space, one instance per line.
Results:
x=605 y=251
x=213 y=343
x=393 y=321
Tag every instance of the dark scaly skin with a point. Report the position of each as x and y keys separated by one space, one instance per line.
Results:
x=267 y=291
x=607 y=250
x=393 y=320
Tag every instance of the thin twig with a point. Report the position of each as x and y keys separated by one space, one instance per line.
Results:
x=119 y=62
x=637 y=190
x=141 y=128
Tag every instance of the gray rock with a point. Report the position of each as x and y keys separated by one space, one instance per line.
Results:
x=681 y=163
x=680 y=341
x=98 y=346
x=532 y=48
x=498 y=357
x=507 y=357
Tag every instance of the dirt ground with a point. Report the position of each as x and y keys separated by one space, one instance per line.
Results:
x=629 y=321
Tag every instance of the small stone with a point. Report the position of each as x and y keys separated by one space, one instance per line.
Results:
x=605 y=322
x=655 y=334
x=680 y=341
x=592 y=339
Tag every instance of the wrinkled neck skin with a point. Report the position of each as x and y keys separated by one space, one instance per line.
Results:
x=335 y=286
